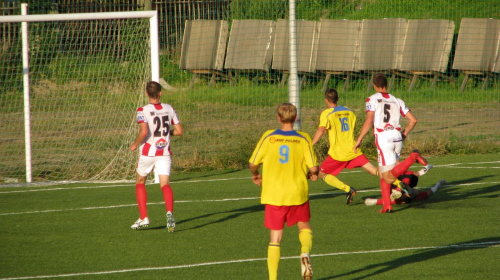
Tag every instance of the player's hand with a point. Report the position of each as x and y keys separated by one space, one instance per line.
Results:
x=313 y=177
x=257 y=179
x=356 y=147
x=133 y=147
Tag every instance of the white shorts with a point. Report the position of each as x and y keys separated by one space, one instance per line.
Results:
x=161 y=164
x=389 y=145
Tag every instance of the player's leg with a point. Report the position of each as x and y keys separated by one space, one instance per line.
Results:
x=163 y=165
x=370 y=168
x=386 y=196
x=329 y=170
x=401 y=168
x=274 y=220
x=144 y=167
x=274 y=253
x=305 y=237
x=300 y=215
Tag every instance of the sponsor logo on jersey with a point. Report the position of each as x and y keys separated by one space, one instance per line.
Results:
x=379 y=100
x=152 y=113
x=161 y=144
x=274 y=140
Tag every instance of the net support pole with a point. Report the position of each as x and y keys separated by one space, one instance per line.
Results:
x=293 y=82
x=155 y=46
x=26 y=87
x=155 y=61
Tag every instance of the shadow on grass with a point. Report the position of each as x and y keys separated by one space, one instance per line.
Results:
x=450 y=195
x=231 y=214
x=211 y=174
x=420 y=256
x=235 y=213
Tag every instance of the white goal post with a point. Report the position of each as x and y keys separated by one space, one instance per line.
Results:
x=8 y=95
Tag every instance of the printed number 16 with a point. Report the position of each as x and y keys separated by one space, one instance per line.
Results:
x=344 y=124
x=284 y=152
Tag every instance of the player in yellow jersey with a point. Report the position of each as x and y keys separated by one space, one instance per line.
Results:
x=339 y=122
x=286 y=156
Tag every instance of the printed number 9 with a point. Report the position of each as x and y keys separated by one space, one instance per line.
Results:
x=284 y=152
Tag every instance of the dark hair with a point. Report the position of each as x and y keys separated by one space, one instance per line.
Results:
x=380 y=80
x=153 y=89
x=332 y=95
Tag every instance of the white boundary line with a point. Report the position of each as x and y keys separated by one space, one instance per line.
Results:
x=495 y=244
x=128 y=184
x=198 y=201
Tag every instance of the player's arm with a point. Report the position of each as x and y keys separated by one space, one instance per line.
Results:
x=412 y=121
x=256 y=176
x=319 y=132
x=143 y=133
x=367 y=125
x=176 y=130
x=313 y=173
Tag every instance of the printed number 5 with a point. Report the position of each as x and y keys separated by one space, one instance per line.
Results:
x=284 y=151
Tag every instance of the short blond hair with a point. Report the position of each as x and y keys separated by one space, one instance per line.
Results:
x=287 y=112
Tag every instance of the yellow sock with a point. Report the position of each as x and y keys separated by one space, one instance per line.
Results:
x=305 y=237
x=334 y=182
x=273 y=260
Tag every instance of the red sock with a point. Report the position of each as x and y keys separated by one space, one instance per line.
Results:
x=142 y=199
x=386 y=195
x=381 y=202
x=168 y=196
x=401 y=168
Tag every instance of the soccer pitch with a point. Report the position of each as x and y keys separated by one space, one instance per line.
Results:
x=82 y=231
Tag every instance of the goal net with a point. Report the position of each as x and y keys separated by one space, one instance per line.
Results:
x=87 y=74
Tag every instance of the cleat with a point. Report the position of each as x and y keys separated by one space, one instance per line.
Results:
x=425 y=169
x=419 y=158
x=349 y=196
x=170 y=222
x=395 y=194
x=140 y=223
x=439 y=185
x=305 y=265
x=371 y=201
x=385 y=211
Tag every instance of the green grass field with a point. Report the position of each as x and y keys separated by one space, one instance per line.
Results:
x=82 y=231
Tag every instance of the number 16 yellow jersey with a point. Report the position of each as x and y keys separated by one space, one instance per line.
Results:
x=286 y=157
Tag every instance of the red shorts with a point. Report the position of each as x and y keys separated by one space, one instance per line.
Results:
x=332 y=166
x=275 y=217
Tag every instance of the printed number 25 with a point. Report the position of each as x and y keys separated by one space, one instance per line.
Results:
x=284 y=152
x=162 y=126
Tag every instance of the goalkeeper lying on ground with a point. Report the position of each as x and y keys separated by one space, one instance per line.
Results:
x=411 y=194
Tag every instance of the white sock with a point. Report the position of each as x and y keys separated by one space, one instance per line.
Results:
x=370 y=201
x=438 y=185
x=425 y=169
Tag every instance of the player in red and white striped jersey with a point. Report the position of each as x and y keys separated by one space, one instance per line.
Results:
x=158 y=122
x=383 y=112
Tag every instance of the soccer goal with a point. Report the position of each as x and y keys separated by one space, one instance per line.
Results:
x=69 y=88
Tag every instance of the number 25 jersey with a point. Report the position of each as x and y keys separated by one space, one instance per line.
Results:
x=160 y=118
